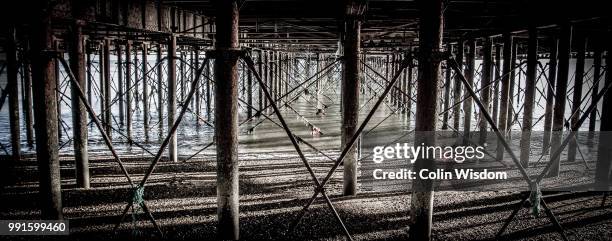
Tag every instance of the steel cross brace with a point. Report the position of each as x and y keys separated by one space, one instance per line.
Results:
x=298 y=138
x=387 y=81
x=287 y=102
x=556 y=154
x=251 y=66
x=381 y=87
x=166 y=140
x=320 y=185
x=107 y=140
x=351 y=142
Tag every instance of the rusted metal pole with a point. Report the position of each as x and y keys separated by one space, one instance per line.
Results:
x=107 y=89
x=128 y=89
x=467 y=103
x=89 y=74
x=457 y=88
x=160 y=91
x=387 y=63
x=277 y=75
x=394 y=90
x=487 y=74
x=350 y=101
x=136 y=78
x=577 y=98
x=604 y=149
x=409 y=92
x=318 y=86
x=502 y=122
x=101 y=81
x=12 y=70
x=208 y=88
x=249 y=86
x=120 y=84
x=430 y=46
x=530 y=86
x=550 y=94
x=260 y=69
x=45 y=113
x=560 y=95
x=190 y=73
x=79 y=114
x=145 y=90
x=287 y=74
x=26 y=104
x=172 y=146
x=58 y=95
x=226 y=118
x=496 y=84
x=270 y=77
x=181 y=73
x=447 y=88
x=597 y=49
x=511 y=103
x=405 y=84
x=265 y=74
x=198 y=96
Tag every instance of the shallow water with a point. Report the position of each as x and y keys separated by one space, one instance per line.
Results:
x=267 y=136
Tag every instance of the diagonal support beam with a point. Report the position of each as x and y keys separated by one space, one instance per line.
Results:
x=293 y=140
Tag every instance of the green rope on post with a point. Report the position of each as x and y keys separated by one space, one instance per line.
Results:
x=535 y=198
x=137 y=203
